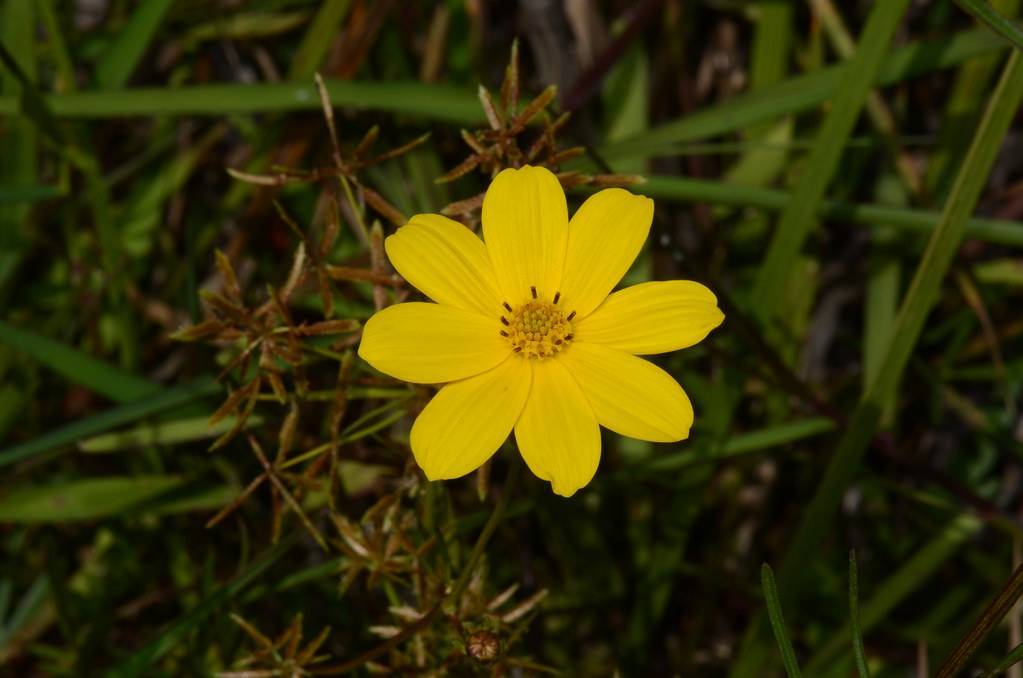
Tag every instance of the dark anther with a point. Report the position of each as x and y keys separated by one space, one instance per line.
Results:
x=533 y=290
x=569 y=337
x=507 y=306
x=503 y=333
x=558 y=342
x=557 y=295
x=505 y=320
x=518 y=348
x=571 y=315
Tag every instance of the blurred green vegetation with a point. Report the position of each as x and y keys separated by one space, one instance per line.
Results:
x=847 y=177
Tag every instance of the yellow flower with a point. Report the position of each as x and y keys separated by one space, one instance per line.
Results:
x=525 y=334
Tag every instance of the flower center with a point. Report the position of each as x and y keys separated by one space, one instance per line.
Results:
x=537 y=329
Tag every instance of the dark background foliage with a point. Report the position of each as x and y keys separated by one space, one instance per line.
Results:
x=129 y=547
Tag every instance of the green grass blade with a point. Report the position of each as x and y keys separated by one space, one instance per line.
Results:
x=920 y=221
x=439 y=102
x=138 y=663
x=28 y=606
x=19 y=161
x=995 y=21
x=972 y=80
x=163 y=433
x=87 y=499
x=917 y=303
x=317 y=39
x=746 y=443
x=802 y=93
x=854 y=619
x=121 y=58
x=884 y=286
x=1011 y=659
x=788 y=655
x=10 y=195
x=104 y=421
x=900 y=585
x=107 y=380
x=798 y=217
x=859 y=430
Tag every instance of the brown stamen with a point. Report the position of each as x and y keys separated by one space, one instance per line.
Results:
x=570 y=315
x=557 y=295
x=533 y=290
x=507 y=306
x=505 y=321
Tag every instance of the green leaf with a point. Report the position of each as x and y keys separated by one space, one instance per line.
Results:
x=80 y=368
x=104 y=421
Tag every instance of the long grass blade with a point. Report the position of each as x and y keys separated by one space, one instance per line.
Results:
x=104 y=421
x=105 y=379
x=686 y=189
x=943 y=244
x=138 y=663
x=121 y=58
x=438 y=102
x=317 y=39
x=798 y=217
x=909 y=578
x=803 y=93
x=788 y=655
x=918 y=301
x=1001 y=25
x=854 y=619
x=1014 y=657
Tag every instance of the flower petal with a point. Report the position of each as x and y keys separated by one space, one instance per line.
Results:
x=604 y=237
x=629 y=395
x=446 y=261
x=525 y=226
x=431 y=343
x=653 y=317
x=467 y=420
x=557 y=432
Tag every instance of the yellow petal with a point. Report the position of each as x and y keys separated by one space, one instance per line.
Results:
x=629 y=395
x=446 y=261
x=467 y=420
x=431 y=343
x=525 y=226
x=604 y=237
x=653 y=317
x=557 y=432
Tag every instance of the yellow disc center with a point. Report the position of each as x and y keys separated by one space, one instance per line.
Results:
x=537 y=329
